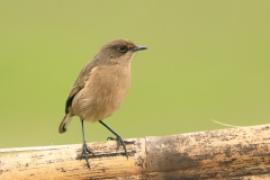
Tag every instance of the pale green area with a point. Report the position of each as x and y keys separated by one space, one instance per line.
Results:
x=206 y=60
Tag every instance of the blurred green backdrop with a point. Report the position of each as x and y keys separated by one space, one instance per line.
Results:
x=207 y=60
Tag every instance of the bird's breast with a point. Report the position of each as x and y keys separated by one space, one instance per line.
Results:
x=103 y=92
x=109 y=81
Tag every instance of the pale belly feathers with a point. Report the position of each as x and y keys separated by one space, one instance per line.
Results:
x=103 y=92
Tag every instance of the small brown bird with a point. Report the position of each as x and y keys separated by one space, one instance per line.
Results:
x=100 y=88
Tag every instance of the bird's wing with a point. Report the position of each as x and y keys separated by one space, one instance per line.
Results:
x=79 y=83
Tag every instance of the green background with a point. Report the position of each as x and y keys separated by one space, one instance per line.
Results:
x=207 y=60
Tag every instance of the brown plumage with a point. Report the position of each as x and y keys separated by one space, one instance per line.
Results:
x=100 y=88
x=102 y=84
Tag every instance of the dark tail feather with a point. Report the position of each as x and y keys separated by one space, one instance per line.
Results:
x=63 y=126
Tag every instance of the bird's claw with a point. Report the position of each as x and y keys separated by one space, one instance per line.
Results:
x=86 y=152
x=120 y=142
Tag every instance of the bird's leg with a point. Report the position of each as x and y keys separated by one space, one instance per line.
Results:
x=117 y=137
x=85 y=150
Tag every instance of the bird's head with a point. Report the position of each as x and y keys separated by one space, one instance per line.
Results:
x=120 y=51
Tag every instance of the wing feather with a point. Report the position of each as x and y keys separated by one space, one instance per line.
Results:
x=80 y=83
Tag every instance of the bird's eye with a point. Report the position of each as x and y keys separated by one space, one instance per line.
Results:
x=123 y=49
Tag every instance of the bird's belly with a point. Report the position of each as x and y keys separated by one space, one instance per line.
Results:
x=101 y=104
x=101 y=97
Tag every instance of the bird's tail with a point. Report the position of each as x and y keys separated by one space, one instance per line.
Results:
x=63 y=126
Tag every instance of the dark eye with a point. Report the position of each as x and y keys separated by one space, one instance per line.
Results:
x=123 y=49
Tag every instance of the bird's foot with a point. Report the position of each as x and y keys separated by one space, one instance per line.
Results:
x=86 y=152
x=120 y=142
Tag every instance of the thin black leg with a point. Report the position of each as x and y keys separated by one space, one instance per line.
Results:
x=85 y=150
x=118 y=138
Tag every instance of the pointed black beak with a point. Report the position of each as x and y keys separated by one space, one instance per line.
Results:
x=139 y=48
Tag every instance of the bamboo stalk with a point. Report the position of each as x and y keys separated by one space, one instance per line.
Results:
x=235 y=153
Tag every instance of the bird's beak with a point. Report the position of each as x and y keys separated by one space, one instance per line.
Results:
x=139 y=48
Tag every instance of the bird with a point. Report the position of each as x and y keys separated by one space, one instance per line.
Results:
x=100 y=88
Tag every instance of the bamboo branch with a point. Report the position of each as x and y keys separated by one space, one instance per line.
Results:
x=237 y=153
